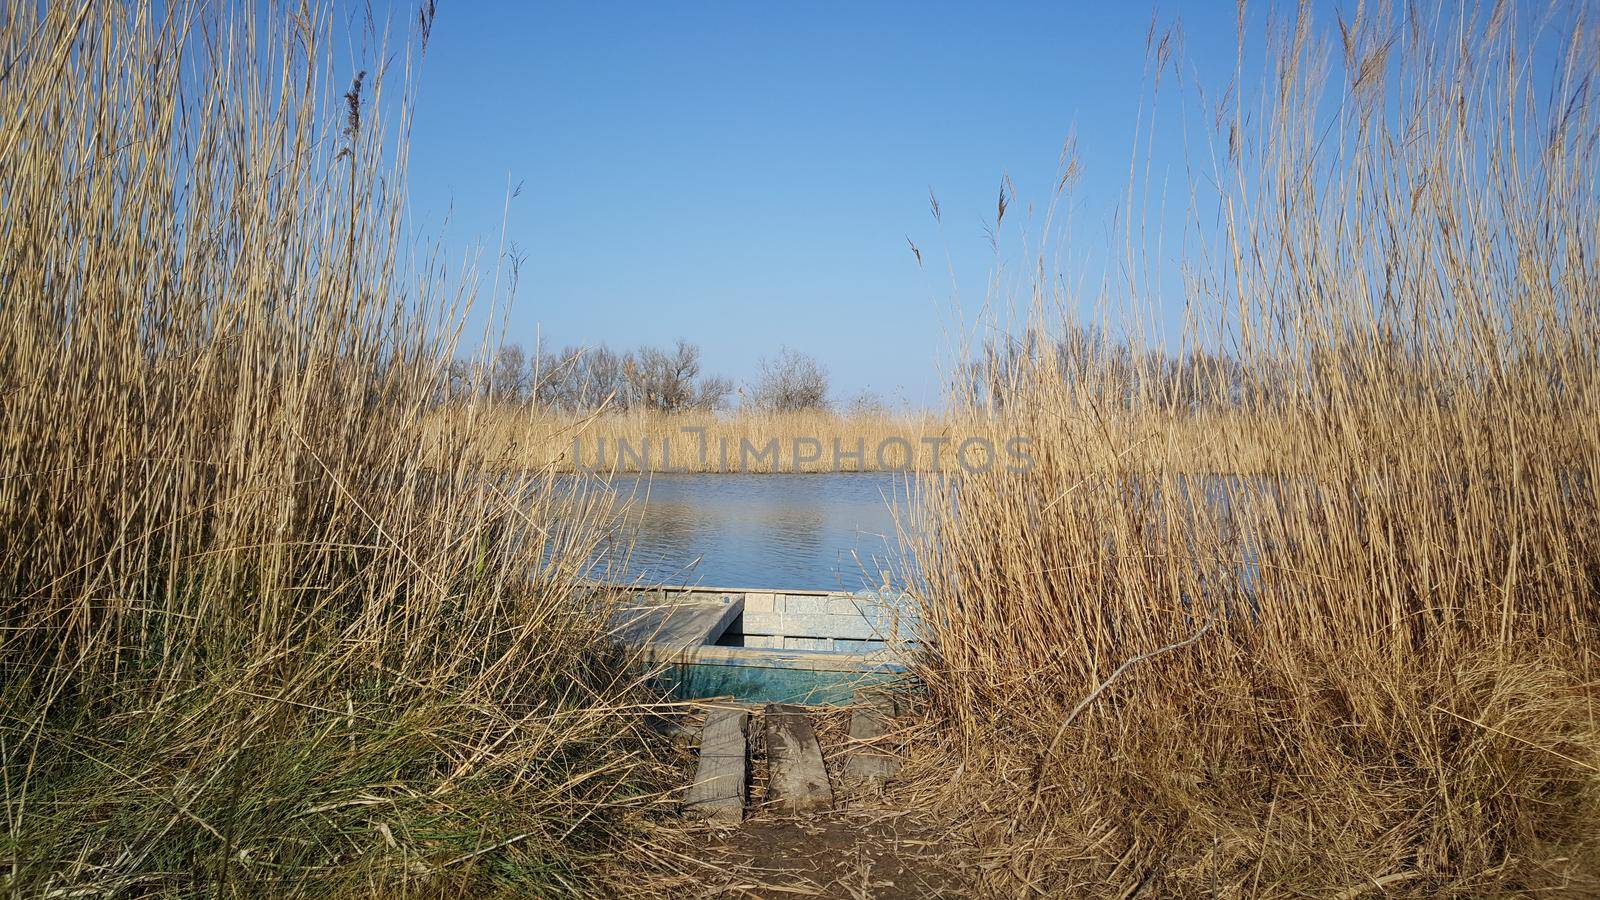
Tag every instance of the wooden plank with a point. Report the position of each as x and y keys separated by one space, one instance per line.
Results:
x=870 y=764
x=724 y=732
x=797 y=781
x=674 y=624
x=718 y=791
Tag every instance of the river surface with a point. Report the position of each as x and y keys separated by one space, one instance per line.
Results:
x=812 y=532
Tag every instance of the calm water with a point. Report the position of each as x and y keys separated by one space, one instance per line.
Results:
x=802 y=532
x=817 y=532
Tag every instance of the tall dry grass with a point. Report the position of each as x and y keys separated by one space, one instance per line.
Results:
x=251 y=646
x=1372 y=669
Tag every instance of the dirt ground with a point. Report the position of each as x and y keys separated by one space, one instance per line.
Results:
x=852 y=854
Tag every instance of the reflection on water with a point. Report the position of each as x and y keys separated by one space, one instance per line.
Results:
x=811 y=532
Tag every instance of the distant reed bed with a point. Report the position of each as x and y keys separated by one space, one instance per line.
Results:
x=251 y=646
x=1373 y=669
x=520 y=437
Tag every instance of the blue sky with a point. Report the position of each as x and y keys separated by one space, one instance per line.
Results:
x=747 y=175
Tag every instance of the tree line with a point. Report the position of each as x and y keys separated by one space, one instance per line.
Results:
x=1101 y=369
x=654 y=379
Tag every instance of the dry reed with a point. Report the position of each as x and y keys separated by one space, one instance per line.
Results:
x=512 y=438
x=517 y=438
x=251 y=645
x=1370 y=668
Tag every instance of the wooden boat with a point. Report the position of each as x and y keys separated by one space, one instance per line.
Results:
x=767 y=646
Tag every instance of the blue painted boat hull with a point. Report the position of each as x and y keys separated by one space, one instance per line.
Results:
x=763 y=646
x=773 y=676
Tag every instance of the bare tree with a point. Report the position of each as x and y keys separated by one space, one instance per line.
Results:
x=555 y=384
x=601 y=380
x=713 y=393
x=663 y=380
x=508 y=375
x=791 y=383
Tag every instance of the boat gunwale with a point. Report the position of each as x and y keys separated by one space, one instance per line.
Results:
x=774 y=658
x=694 y=589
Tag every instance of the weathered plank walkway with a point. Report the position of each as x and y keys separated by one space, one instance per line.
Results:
x=718 y=791
x=797 y=781
x=870 y=765
x=797 y=778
